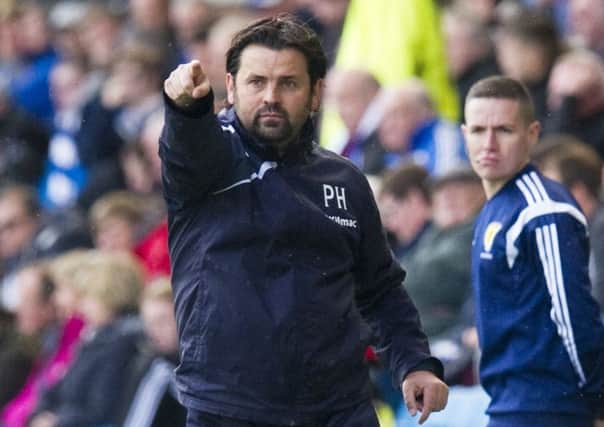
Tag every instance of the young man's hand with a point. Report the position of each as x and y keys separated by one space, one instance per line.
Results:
x=424 y=392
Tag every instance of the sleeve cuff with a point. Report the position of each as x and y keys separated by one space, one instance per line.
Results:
x=199 y=108
x=431 y=364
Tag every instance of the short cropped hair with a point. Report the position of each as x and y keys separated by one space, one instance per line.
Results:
x=574 y=161
x=501 y=87
x=280 y=32
x=117 y=204
x=408 y=177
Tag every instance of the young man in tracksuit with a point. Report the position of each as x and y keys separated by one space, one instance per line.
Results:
x=538 y=326
x=281 y=272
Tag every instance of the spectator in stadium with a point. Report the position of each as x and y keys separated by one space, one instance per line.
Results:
x=586 y=22
x=36 y=327
x=140 y=162
x=405 y=207
x=19 y=223
x=538 y=325
x=35 y=57
x=484 y=10
x=188 y=17
x=152 y=249
x=470 y=55
x=100 y=34
x=438 y=278
x=219 y=38
x=150 y=20
x=150 y=393
x=64 y=174
x=16 y=358
x=579 y=168
x=115 y=220
x=41 y=285
x=23 y=143
x=326 y=18
x=414 y=48
x=116 y=117
x=557 y=9
x=280 y=240
x=410 y=130
x=527 y=45
x=134 y=223
x=576 y=98
x=354 y=92
x=88 y=393
x=64 y=18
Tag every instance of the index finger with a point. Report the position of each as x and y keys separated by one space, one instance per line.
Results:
x=196 y=72
x=429 y=404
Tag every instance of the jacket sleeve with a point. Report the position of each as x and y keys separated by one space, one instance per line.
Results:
x=563 y=249
x=383 y=302
x=194 y=152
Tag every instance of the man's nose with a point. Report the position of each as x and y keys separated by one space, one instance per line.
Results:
x=271 y=94
x=491 y=141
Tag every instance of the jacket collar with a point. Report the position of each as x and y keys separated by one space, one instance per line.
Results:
x=296 y=151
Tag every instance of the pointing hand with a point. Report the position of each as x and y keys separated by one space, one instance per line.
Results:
x=187 y=83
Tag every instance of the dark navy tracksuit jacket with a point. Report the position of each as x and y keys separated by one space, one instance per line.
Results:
x=281 y=275
x=538 y=325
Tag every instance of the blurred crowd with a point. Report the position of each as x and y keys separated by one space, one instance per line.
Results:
x=87 y=330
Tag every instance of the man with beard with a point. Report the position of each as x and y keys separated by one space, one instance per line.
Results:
x=281 y=272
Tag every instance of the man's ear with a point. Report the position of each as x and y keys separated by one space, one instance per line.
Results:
x=316 y=95
x=464 y=132
x=230 y=87
x=534 y=130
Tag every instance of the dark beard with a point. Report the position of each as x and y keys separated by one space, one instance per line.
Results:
x=277 y=132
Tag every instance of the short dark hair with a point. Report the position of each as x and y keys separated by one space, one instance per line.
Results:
x=283 y=31
x=535 y=29
x=408 y=177
x=575 y=162
x=462 y=175
x=504 y=88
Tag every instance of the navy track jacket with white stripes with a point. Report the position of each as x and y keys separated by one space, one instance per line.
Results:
x=538 y=325
x=279 y=265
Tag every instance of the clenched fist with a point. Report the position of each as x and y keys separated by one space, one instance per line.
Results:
x=187 y=83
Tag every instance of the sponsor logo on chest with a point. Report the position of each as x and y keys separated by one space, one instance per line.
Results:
x=488 y=238
x=334 y=196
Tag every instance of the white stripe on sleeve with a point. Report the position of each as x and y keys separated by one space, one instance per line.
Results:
x=549 y=252
x=527 y=194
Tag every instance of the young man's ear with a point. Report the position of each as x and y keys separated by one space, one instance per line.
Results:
x=534 y=130
x=464 y=132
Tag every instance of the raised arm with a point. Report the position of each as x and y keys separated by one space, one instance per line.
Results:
x=195 y=151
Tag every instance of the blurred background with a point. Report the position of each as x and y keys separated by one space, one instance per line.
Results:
x=84 y=269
